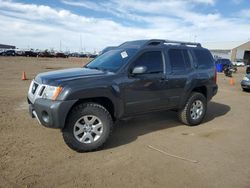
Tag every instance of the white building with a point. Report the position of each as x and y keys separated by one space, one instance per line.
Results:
x=238 y=50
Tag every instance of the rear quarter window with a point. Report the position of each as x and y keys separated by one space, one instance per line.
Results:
x=204 y=59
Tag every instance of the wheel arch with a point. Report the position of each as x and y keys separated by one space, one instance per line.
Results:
x=104 y=101
x=199 y=89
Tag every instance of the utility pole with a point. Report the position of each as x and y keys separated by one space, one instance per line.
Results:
x=60 y=45
x=195 y=36
x=80 y=43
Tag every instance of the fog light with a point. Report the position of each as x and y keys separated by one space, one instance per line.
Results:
x=45 y=117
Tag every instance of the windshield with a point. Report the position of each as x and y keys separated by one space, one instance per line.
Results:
x=111 y=60
x=224 y=61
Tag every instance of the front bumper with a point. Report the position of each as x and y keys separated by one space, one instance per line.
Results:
x=245 y=84
x=50 y=113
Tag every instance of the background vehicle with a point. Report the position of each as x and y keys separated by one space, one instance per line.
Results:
x=62 y=55
x=136 y=77
x=228 y=71
x=8 y=53
x=245 y=83
x=227 y=65
x=30 y=53
x=92 y=55
x=224 y=62
x=1 y=52
x=239 y=63
x=75 y=54
x=83 y=55
x=46 y=54
x=248 y=69
x=20 y=53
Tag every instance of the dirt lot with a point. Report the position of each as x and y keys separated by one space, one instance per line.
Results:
x=35 y=156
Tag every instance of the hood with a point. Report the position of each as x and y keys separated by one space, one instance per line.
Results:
x=60 y=76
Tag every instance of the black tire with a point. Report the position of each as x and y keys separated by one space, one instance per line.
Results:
x=185 y=113
x=246 y=90
x=83 y=110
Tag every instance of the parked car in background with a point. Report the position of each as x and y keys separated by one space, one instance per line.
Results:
x=9 y=53
x=239 y=63
x=76 y=54
x=19 y=53
x=92 y=55
x=83 y=55
x=46 y=54
x=62 y=55
x=248 y=69
x=245 y=83
x=1 y=52
x=73 y=55
x=29 y=53
x=226 y=64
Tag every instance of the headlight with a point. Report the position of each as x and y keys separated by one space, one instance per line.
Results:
x=246 y=79
x=51 y=92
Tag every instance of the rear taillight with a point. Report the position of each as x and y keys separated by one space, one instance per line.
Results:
x=215 y=76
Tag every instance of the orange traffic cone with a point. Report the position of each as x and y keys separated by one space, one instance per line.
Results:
x=231 y=82
x=24 y=76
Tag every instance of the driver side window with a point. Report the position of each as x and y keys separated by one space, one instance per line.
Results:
x=152 y=61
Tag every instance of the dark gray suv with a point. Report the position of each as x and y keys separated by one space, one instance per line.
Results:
x=134 y=78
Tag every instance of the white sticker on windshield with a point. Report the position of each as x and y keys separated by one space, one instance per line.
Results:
x=124 y=54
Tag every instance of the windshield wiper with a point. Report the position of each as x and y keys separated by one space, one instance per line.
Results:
x=93 y=67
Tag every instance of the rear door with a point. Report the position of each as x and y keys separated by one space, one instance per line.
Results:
x=205 y=66
x=180 y=60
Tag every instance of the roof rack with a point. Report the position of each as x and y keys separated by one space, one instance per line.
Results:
x=155 y=42
x=183 y=43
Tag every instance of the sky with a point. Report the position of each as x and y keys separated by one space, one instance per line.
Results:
x=85 y=25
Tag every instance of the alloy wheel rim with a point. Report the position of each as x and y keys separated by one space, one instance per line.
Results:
x=196 y=109
x=88 y=129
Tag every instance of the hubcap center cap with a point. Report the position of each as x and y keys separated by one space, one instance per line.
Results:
x=88 y=129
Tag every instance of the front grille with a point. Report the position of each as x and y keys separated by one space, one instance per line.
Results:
x=41 y=91
x=34 y=88
x=36 y=91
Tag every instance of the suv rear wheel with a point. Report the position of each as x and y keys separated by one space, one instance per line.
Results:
x=88 y=127
x=195 y=109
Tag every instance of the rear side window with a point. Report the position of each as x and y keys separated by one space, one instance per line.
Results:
x=151 y=60
x=187 y=57
x=225 y=61
x=204 y=59
x=179 y=59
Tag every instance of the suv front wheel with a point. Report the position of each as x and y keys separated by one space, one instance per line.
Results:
x=194 y=110
x=88 y=127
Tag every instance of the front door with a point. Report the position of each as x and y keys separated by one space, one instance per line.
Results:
x=147 y=91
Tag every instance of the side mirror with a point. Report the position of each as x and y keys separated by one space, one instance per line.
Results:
x=139 y=70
